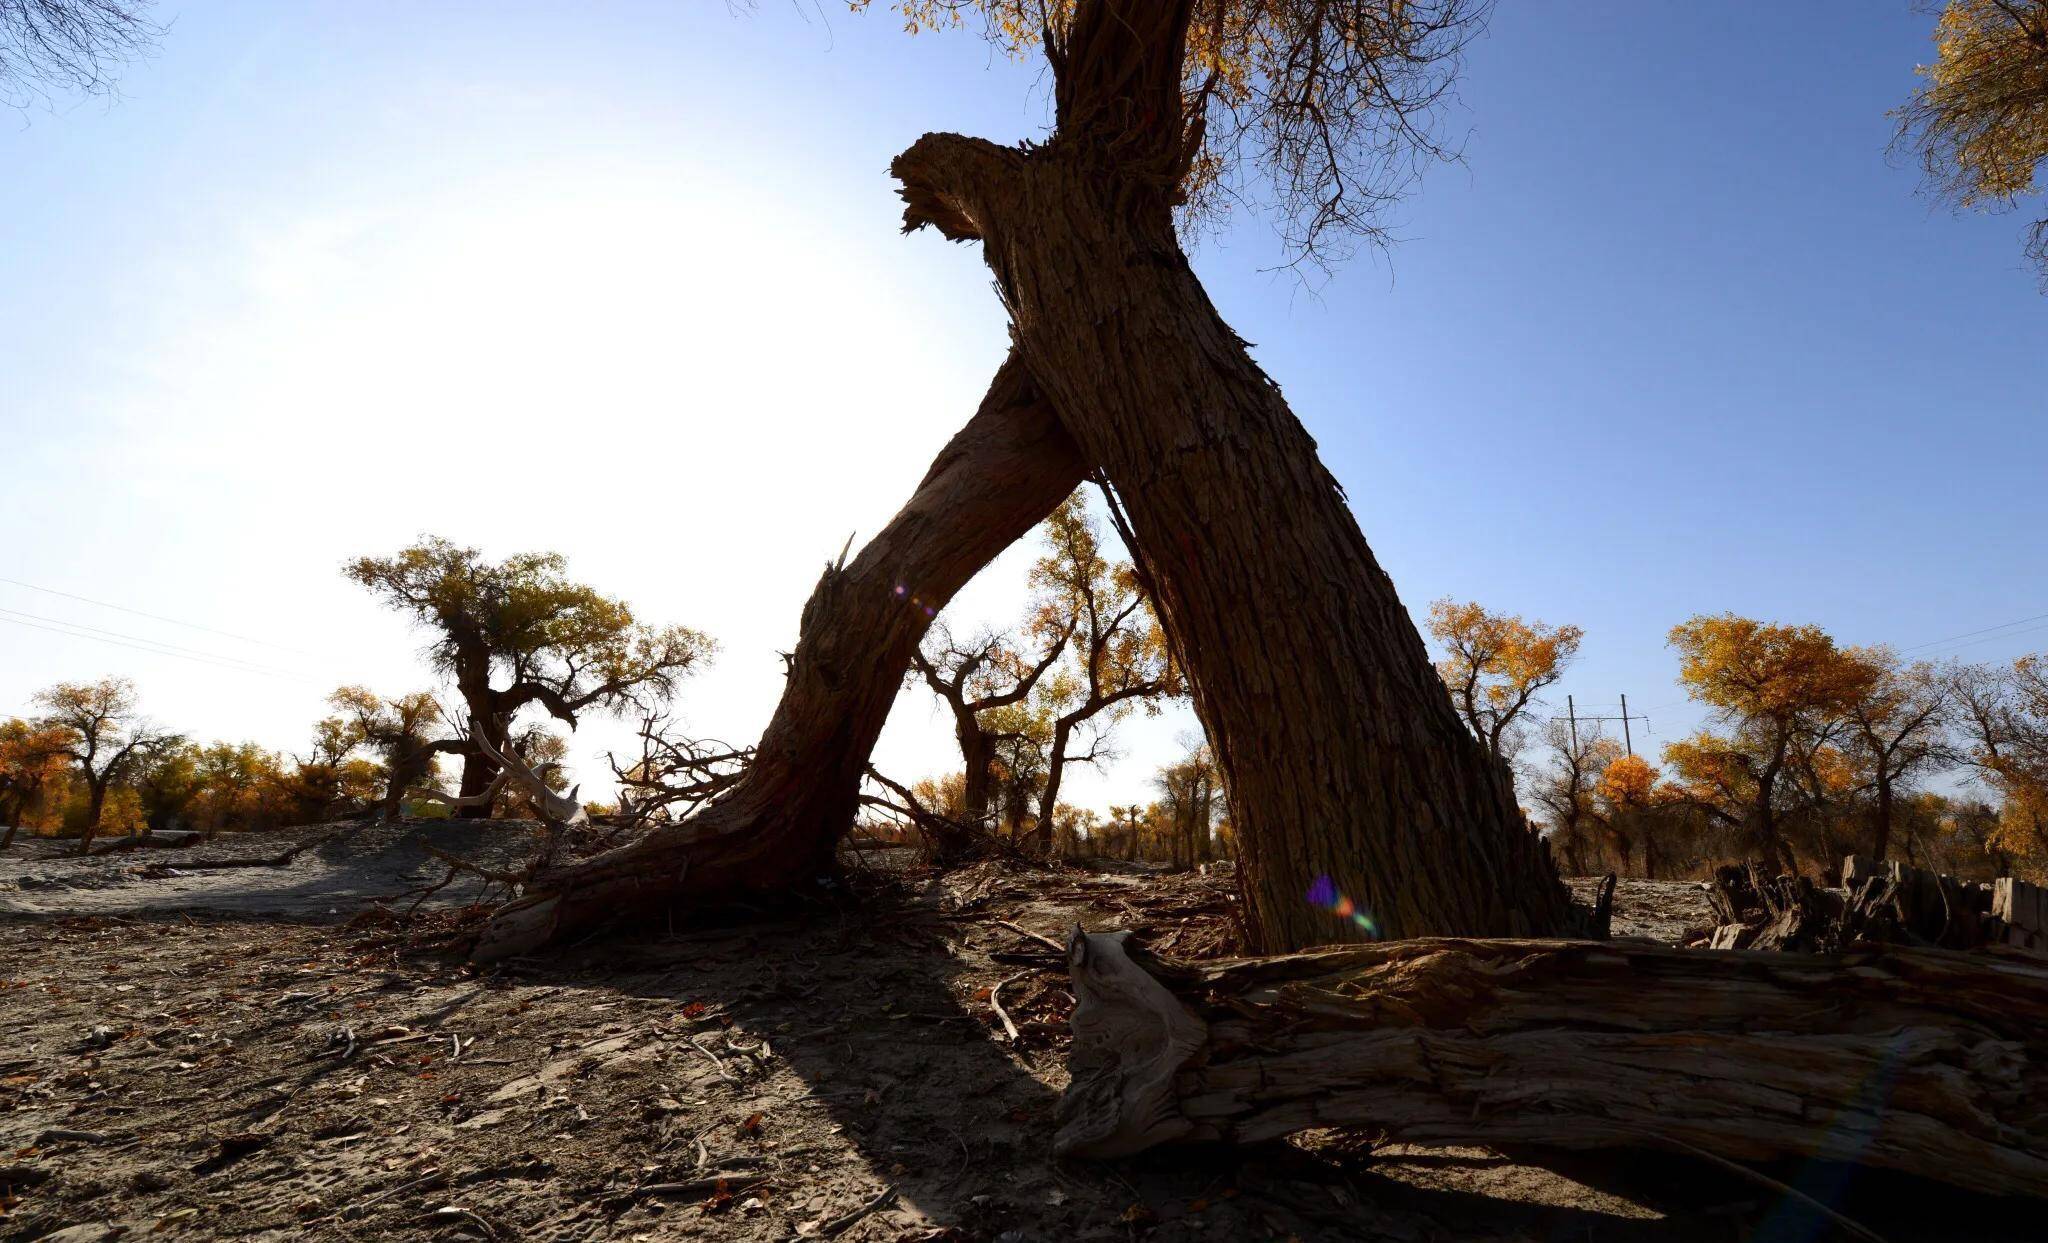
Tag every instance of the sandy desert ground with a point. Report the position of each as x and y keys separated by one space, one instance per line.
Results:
x=235 y=1052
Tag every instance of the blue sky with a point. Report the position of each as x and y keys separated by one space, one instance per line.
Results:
x=624 y=281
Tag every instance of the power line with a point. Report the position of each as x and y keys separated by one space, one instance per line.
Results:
x=2010 y=634
x=1970 y=633
x=1572 y=714
x=258 y=670
x=1988 y=634
x=122 y=608
x=169 y=647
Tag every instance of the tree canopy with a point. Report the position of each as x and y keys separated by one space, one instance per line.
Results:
x=519 y=632
x=556 y=643
x=1118 y=657
x=1495 y=665
x=1979 y=121
x=108 y=736
x=1315 y=113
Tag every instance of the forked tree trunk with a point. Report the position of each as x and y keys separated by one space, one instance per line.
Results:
x=1003 y=473
x=478 y=772
x=978 y=760
x=1343 y=755
x=1927 y=1061
x=1049 y=796
x=1882 y=837
x=1348 y=769
x=95 y=809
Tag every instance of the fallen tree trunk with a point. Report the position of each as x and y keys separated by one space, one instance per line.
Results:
x=1927 y=1061
x=166 y=839
x=778 y=824
x=281 y=859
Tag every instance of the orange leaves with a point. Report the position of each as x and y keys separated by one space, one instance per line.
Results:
x=1016 y=26
x=1756 y=669
x=1628 y=782
x=34 y=758
x=1496 y=662
x=1711 y=769
x=1508 y=655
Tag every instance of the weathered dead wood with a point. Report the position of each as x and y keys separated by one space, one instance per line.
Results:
x=165 y=839
x=1928 y=1061
x=1882 y=903
x=1732 y=893
x=2019 y=914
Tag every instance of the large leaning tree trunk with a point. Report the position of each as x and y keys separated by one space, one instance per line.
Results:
x=1348 y=770
x=996 y=479
x=1929 y=1061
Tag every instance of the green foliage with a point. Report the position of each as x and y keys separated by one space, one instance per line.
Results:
x=523 y=621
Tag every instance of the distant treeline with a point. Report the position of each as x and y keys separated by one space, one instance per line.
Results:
x=1812 y=751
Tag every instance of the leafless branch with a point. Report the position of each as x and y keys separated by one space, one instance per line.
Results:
x=673 y=775
x=60 y=46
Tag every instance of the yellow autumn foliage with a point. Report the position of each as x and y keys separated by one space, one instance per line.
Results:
x=1979 y=121
x=1628 y=782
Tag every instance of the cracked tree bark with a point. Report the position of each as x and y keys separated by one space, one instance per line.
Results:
x=1349 y=773
x=1928 y=1061
x=1347 y=767
x=1003 y=473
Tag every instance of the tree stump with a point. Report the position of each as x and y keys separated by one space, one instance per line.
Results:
x=1926 y=1061
x=2019 y=914
x=1881 y=903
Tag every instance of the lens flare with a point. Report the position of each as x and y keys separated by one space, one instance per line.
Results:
x=902 y=592
x=1324 y=894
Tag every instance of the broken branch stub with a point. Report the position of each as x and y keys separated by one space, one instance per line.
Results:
x=1927 y=1061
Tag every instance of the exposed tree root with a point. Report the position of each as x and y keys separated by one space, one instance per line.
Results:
x=281 y=859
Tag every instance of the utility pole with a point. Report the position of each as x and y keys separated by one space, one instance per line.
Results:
x=1571 y=712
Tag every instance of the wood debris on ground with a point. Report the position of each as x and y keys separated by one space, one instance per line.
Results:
x=832 y=1071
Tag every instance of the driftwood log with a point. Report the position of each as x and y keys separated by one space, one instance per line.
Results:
x=1927 y=1061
